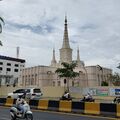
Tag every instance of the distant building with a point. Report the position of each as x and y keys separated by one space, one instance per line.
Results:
x=45 y=75
x=10 y=70
x=97 y=74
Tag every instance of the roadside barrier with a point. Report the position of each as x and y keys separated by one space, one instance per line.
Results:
x=9 y=102
x=104 y=109
x=2 y=101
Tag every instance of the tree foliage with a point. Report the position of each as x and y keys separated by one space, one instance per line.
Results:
x=115 y=79
x=68 y=70
x=104 y=83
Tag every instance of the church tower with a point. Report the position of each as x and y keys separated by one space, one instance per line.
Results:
x=65 y=51
x=78 y=57
x=53 y=62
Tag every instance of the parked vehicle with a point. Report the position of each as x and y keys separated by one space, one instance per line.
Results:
x=15 y=113
x=31 y=93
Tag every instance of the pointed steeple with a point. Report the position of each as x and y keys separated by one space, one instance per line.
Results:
x=65 y=38
x=53 y=62
x=79 y=62
x=78 y=55
x=65 y=51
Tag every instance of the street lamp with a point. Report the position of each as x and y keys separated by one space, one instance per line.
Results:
x=100 y=69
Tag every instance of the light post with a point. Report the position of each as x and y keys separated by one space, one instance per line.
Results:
x=100 y=69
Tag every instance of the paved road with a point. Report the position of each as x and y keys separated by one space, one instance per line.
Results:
x=45 y=115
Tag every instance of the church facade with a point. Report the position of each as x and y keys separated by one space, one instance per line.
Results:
x=41 y=76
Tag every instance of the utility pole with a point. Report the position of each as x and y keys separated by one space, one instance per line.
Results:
x=100 y=69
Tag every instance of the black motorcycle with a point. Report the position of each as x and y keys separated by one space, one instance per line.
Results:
x=64 y=98
x=116 y=100
x=87 y=99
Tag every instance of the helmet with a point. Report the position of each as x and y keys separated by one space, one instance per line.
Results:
x=20 y=96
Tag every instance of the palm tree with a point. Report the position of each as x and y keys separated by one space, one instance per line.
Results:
x=1 y=21
x=67 y=71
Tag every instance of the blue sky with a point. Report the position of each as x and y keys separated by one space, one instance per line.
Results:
x=36 y=26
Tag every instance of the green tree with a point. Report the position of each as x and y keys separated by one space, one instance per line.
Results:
x=104 y=83
x=67 y=71
x=1 y=22
x=115 y=79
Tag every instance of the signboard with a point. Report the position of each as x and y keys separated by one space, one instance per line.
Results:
x=114 y=91
x=92 y=91
x=117 y=91
x=102 y=91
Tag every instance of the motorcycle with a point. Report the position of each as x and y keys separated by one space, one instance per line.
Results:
x=64 y=98
x=116 y=100
x=15 y=113
x=87 y=99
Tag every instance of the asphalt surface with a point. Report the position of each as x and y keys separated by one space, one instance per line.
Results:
x=48 y=115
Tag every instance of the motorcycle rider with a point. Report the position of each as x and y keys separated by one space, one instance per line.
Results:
x=20 y=102
x=88 y=96
x=116 y=99
x=66 y=95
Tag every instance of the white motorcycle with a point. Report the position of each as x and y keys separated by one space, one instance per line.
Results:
x=15 y=113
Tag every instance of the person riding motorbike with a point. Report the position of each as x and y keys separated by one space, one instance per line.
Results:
x=116 y=99
x=88 y=96
x=20 y=102
x=21 y=110
x=66 y=96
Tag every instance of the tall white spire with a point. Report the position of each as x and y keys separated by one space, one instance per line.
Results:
x=65 y=51
x=78 y=55
x=53 y=62
x=65 y=38
x=78 y=58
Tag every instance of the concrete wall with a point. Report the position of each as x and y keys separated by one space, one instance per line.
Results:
x=58 y=91
x=47 y=91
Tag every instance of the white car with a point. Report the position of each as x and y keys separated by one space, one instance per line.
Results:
x=31 y=93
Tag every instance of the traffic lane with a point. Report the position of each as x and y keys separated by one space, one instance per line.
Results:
x=49 y=115
x=4 y=113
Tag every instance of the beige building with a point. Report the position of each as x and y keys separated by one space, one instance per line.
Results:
x=45 y=75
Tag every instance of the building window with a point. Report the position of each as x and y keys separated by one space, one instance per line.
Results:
x=8 y=69
x=15 y=70
x=72 y=83
x=21 y=65
x=53 y=83
x=16 y=65
x=8 y=64
x=1 y=63
x=58 y=83
x=1 y=68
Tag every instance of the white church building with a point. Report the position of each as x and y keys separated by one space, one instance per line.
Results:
x=41 y=76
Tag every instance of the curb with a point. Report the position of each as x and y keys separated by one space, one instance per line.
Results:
x=103 y=109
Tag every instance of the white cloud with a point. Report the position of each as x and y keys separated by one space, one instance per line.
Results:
x=37 y=26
